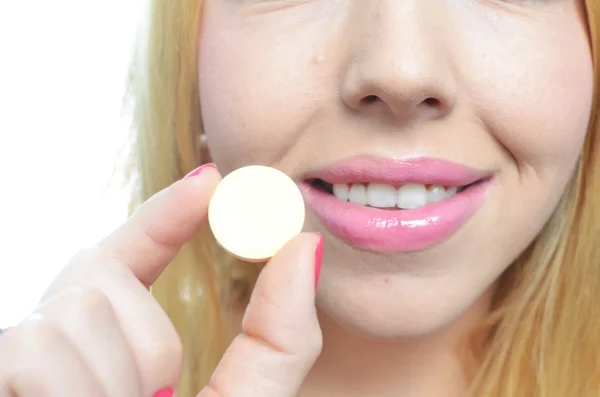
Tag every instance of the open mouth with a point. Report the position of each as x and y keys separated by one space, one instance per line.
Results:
x=407 y=196
x=391 y=205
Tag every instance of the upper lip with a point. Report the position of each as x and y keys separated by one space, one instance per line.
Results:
x=423 y=170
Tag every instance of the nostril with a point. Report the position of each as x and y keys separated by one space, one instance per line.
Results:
x=433 y=102
x=370 y=99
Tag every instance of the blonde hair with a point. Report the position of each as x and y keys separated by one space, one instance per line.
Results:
x=541 y=339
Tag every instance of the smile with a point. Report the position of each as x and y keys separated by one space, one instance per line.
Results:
x=395 y=206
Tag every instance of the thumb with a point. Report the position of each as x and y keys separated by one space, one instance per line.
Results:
x=281 y=337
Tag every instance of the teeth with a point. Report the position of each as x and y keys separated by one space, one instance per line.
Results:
x=436 y=193
x=358 y=194
x=451 y=191
x=411 y=196
x=341 y=191
x=379 y=195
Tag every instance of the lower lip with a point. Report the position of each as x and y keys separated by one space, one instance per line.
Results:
x=380 y=230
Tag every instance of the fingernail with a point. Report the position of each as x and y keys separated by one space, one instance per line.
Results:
x=318 y=259
x=199 y=170
x=168 y=392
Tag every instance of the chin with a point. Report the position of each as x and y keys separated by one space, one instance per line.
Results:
x=398 y=306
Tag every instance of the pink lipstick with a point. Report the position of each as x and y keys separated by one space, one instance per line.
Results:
x=395 y=229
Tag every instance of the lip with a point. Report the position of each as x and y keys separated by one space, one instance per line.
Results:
x=388 y=231
x=425 y=170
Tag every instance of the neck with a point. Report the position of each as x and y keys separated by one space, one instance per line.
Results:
x=354 y=365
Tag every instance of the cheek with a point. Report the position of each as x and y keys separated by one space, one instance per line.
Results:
x=539 y=105
x=256 y=94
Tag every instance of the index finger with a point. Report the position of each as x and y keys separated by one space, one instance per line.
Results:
x=151 y=238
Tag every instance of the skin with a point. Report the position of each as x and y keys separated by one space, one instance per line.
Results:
x=282 y=84
x=504 y=87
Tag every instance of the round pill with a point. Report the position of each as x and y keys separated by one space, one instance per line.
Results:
x=254 y=211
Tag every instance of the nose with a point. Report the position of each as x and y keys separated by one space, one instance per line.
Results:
x=400 y=66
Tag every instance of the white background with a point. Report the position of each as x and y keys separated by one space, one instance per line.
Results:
x=62 y=71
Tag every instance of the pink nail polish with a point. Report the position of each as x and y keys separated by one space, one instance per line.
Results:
x=168 y=392
x=318 y=260
x=198 y=170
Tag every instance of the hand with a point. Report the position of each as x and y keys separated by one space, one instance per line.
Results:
x=99 y=332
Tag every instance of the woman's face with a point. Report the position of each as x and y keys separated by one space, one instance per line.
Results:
x=370 y=105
